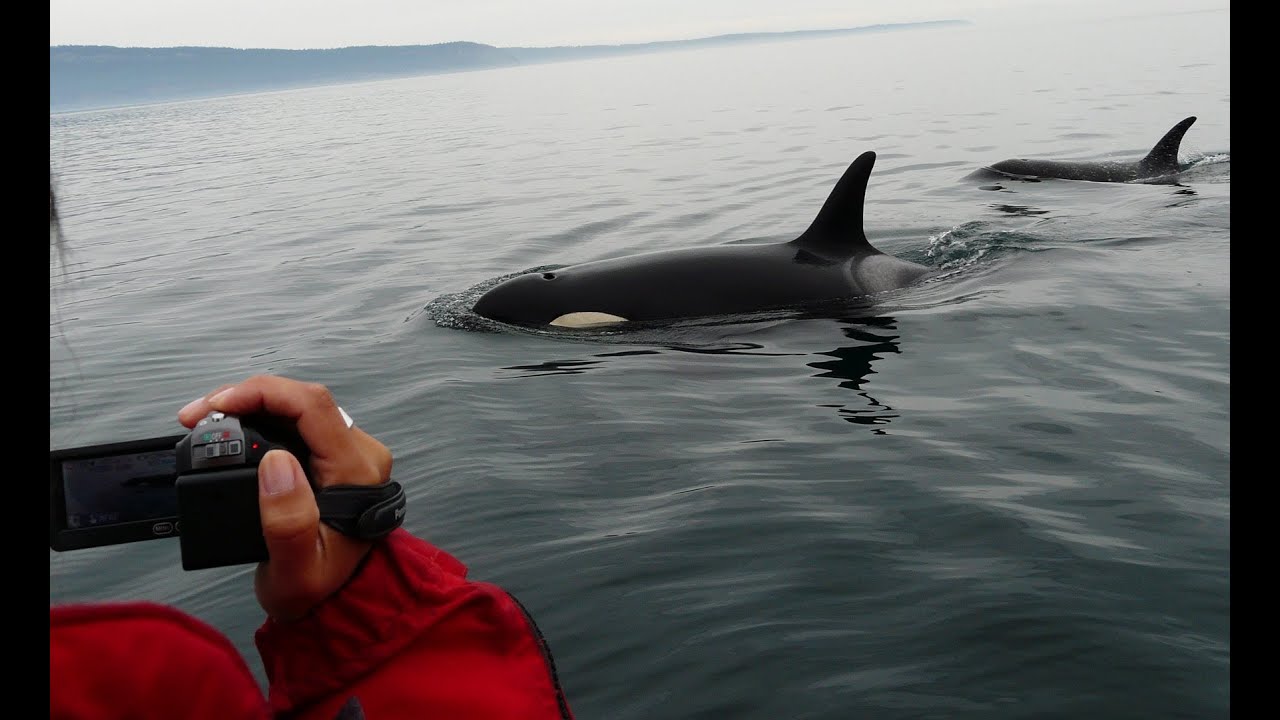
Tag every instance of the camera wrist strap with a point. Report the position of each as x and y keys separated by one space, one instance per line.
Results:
x=367 y=512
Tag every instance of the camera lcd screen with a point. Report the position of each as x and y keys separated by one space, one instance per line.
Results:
x=119 y=488
x=113 y=493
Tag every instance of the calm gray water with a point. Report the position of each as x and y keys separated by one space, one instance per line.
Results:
x=1003 y=493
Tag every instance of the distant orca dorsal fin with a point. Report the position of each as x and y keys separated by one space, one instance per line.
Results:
x=837 y=230
x=1163 y=158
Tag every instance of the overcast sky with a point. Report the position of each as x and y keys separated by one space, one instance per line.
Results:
x=531 y=23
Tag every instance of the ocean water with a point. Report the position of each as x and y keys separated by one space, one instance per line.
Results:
x=1002 y=493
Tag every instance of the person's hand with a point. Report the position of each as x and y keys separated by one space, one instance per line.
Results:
x=308 y=560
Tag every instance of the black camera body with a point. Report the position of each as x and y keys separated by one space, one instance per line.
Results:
x=217 y=487
x=201 y=487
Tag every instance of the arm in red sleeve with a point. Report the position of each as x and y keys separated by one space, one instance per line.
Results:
x=410 y=636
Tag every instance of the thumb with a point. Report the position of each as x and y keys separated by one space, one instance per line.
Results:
x=290 y=517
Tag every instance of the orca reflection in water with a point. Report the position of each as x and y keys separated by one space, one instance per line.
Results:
x=852 y=364
x=1160 y=162
x=873 y=338
x=832 y=260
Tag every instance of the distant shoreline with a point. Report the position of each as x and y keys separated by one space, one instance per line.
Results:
x=98 y=77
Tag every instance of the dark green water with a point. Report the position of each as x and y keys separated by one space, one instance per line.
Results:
x=1003 y=493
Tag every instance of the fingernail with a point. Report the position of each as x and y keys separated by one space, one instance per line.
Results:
x=277 y=474
x=191 y=405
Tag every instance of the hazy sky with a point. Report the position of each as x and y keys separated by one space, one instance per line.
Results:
x=534 y=23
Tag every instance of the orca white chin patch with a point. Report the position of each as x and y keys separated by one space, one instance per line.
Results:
x=586 y=319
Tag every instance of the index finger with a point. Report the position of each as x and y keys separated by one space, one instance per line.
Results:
x=320 y=422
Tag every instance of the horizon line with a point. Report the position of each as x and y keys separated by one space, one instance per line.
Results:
x=523 y=47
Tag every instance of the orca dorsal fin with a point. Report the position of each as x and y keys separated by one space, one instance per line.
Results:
x=837 y=230
x=1163 y=158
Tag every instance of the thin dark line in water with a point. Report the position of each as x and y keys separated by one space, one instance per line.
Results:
x=740 y=350
x=628 y=353
x=563 y=367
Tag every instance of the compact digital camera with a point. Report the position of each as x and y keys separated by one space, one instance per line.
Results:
x=201 y=487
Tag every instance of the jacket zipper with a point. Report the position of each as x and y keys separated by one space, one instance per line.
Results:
x=546 y=656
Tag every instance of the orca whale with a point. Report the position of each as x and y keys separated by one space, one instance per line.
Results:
x=1160 y=162
x=831 y=260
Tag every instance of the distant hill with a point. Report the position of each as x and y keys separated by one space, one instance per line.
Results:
x=83 y=77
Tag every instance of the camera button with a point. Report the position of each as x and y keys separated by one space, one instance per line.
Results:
x=162 y=528
x=233 y=447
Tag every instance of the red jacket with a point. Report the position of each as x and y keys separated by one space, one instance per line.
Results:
x=408 y=637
